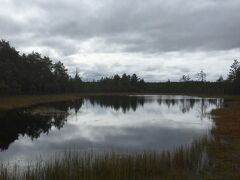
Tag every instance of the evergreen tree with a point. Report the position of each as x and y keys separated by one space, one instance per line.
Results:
x=232 y=76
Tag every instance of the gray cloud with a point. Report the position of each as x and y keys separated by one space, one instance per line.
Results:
x=62 y=28
x=138 y=26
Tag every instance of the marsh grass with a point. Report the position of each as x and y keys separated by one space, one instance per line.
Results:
x=224 y=147
x=8 y=103
x=183 y=163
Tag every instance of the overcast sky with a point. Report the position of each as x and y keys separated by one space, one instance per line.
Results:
x=157 y=39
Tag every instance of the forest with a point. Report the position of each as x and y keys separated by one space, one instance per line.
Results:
x=23 y=74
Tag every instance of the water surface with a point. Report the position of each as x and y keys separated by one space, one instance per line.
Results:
x=105 y=123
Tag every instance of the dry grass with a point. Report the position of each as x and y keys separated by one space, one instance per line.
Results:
x=227 y=120
x=8 y=103
x=224 y=148
x=11 y=102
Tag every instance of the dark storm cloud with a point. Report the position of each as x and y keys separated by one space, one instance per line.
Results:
x=136 y=26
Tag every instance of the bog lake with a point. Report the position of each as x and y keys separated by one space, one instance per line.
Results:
x=123 y=124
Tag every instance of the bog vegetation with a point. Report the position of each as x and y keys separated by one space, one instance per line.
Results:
x=183 y=163
x=35 y=74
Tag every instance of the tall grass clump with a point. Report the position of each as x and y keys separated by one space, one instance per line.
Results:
x=183 y=163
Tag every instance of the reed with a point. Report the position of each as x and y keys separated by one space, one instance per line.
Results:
x=183 y=163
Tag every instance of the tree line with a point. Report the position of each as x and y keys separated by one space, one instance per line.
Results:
x=36 y=74
x=33 y=74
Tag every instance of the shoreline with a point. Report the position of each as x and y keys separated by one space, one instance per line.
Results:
x=13 y=102
x=223 y=149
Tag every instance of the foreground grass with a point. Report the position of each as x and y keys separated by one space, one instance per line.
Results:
x=183 y=163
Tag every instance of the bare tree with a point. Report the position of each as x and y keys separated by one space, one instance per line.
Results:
x=185 y=78
x=201 y=76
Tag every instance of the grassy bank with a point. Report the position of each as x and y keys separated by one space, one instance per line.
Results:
x=11 y=102
x=224 y=148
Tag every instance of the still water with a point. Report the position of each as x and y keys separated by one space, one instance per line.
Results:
x=105 y=123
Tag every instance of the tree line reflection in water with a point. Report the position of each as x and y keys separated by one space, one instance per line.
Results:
x=32 y=123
